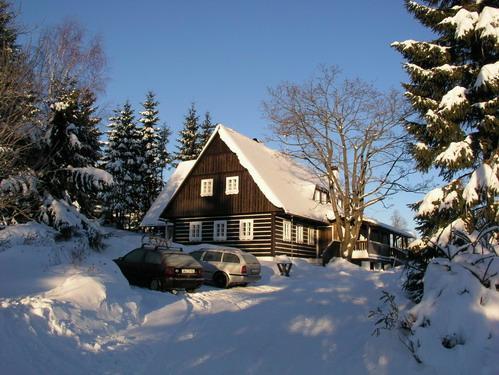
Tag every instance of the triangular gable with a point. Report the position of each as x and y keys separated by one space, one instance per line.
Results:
x=176 y=179
x=284 y=183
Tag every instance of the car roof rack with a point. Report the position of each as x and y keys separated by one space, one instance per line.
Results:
x=158 y=243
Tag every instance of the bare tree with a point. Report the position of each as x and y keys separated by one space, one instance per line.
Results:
x=18 y=125
x=398 y=220
x=66 y=55
x=350 y=135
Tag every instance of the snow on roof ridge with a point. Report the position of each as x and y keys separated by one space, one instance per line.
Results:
x=246 y=163
x=151 y=218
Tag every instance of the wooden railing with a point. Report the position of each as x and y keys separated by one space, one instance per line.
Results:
x=380 y=249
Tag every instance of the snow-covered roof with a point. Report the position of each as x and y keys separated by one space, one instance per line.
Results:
x=389 y=227
x=284 y=183
x=152 y=216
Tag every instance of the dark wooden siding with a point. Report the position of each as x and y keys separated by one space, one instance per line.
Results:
x=292 y=248
x=261 y=245
x=218 y=162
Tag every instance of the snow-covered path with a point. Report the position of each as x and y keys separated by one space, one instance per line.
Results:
x=58 y=318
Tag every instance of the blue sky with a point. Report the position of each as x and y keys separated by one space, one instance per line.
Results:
x=223 y=54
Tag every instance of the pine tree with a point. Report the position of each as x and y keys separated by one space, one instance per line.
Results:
x=165 y=156
x=189 y=135
x=89 y=147
x=123 y=160
x=206 y=129
x=153 y=154
x=454 y=90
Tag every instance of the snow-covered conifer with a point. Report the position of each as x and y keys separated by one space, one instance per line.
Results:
x=123 y=160
x=207 y=128
x=454 y=89
x=188 y=148
x=152 y=150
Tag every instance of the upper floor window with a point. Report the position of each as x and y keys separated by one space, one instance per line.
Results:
x=299 y=234
x=311 y=236
x=321 y=195
x=195 y=231
x=286 y=230
x=232 y=185
x=207 y=187
x=246 y=229
x=220 y=230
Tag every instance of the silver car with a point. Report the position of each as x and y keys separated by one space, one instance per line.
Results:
x=226 y=267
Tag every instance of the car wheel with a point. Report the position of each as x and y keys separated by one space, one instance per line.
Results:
x=221 y=280
x=155 y=284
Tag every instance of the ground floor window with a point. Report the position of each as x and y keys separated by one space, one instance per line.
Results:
x=195 y=231
x=246 y=229
x=299 y=234
x=220 y=230
x=286 y=230
x=311 y=236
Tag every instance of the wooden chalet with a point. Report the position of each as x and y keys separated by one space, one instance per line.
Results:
x=240 y=193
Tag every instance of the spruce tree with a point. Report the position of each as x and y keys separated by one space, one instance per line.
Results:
x=454 y=91
x=165 y=156
x=206 y=129
x=188 y=148
x=123 y=160
x=153 y=154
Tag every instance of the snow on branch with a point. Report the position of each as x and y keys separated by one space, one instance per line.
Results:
x=488 y=75
x=482 y=180
x=89 y=177
x=22 y=184
x=464 y=22
x=488 y=24
x=456 y=152
x=452 y=99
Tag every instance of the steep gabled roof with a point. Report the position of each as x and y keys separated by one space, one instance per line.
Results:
x=284 y=183
x=151 y=218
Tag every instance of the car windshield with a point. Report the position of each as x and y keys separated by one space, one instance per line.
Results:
x=249 y=258
x=181 y=260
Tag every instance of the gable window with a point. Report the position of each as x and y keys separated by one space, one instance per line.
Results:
x=207 y=187
x=321 y=195
x=286 y=230
x=246 y=229
x=195 y=231
x=311 y=236
x=220 y=230
x=232 y=185
x=299 y=234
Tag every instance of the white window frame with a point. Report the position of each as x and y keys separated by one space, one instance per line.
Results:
x=311 y=236
x=299 y=233
x=220 y=236
x=246 y=229
x=207 y=187
x=232 y=185
x=286 y=230
x=195 y=235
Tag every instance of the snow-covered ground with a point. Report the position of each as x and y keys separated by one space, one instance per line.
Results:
x=64 y=310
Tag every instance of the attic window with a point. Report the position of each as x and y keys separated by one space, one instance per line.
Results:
x=232 y=185
x=207 y=187
x=321 y=195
